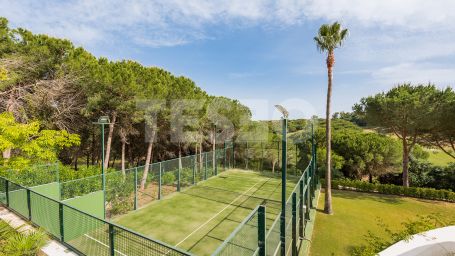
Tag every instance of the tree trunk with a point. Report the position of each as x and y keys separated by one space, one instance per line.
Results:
x=109 y=140
x=148 y=159
x=405 y=162
x=213 y=149
x=273 y=166
x=200 y=157
x=7 y=153
x=180 y=156
x=328 y=134
x=76 y=158
x=195 y=157
x=370 y=178
x=123 y=156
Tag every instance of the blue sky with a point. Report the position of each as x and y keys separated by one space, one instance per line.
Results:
x=262 y=51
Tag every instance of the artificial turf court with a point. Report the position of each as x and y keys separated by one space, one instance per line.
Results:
x=201 y=217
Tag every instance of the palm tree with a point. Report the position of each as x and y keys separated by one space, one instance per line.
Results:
x=330 y=37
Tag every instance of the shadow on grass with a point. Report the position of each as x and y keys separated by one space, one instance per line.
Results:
x=354 y=195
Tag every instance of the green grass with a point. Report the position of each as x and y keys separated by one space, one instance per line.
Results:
x=356 y=213
x=200 y=218
x=439 y=158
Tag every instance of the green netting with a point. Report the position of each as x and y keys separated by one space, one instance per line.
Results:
x=169 y=175
x=82 y=229
x=244 y=240
x=80 y=187
x=186 y=173
x=288 y=230
x=151 y=189
x=51 y=190
x=128 y=243
x=273 y=238
x=87 y=234
x=91 y=203
x=45 y=213
x=18 y=199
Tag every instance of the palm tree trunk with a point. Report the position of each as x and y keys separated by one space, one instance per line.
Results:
x=109 y=140
x=328 y=134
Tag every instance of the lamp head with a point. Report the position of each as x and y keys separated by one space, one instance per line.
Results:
x=103 y=120
x=282 y=111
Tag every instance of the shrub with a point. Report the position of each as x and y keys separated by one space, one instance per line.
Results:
x=12 y=242
x=168 y=178
x=425 y=193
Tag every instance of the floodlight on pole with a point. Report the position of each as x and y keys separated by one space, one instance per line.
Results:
x=284 y=119
x=103 y=120
x=282 y=110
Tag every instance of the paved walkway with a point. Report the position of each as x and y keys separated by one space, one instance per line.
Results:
x=53 y=248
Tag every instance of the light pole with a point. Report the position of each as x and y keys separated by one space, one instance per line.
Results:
x=103 y=120
x=284 y=119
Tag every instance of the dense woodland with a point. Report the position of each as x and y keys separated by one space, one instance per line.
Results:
x=54 y=85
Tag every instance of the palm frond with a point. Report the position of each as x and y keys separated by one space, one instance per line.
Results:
x=330 y=37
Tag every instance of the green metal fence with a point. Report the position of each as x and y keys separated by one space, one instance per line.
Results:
x=254 y=238
x=84 y=233
x=83 y=227
x=251 y=238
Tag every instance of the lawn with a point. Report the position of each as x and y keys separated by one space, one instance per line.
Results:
x=356 y=213
x=439 y=158
x=201 y=217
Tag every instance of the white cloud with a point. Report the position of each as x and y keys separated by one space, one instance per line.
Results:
x=415 y=73
x=158 y=21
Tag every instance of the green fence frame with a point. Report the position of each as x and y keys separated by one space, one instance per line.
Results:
x=74 y=227
x=298 y=205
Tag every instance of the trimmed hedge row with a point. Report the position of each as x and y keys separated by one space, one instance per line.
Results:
x=424 y=193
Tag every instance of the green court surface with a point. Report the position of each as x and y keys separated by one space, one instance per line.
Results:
x=91 y=203
x=201 y=217
x=51 y=190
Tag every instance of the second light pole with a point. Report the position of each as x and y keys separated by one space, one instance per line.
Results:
x=284 y=120
x=103 y=120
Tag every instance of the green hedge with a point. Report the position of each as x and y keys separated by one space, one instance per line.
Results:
x=425 y=193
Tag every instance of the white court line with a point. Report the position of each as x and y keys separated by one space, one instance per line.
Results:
x=98 y=241
x=205 y=223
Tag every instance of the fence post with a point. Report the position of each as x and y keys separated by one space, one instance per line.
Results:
x=178 y=180
x=278 y=149
x=310 y=186
x=60 y=219
x=294 y=224
x=302 y=201
x=225 y=156
x=307 y=195
x=111 y=239
x=194 y=168
x=296 y=160
x=135 y=188
x=159 y=182
x=215 y=163
x=7 y=192
x=261 y=231
x=205 y=168
x=262 y=156
x=247 y=156
x=233 y=155
x=29 y=205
